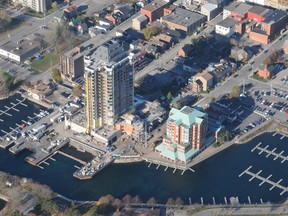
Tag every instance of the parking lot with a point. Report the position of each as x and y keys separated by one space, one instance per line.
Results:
x=14 y=68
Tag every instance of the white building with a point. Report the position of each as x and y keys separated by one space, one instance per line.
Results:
x=226 y=27
x=36 y=5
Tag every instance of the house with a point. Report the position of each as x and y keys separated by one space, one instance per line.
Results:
x=114 y=18
x=169 y=9
x=161 y=45
x=226 y=27
x=154 y=10
x=139 y=22
x=39 y=91
x=166 y=39
x=60 y=16
x=74 y=23
x=82 y=28
x=71 y=11
x=266 y=71
x=202 y=82
x=152 y=50
x=176 y=35
x=185 y=51
x=126 y=11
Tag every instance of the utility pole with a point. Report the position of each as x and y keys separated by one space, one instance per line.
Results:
x=145 y=133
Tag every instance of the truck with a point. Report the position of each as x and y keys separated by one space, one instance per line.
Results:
x=56 y=117
x=40 y=128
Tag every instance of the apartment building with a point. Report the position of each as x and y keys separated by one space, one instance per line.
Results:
x=154 y=10
x=109 y=85
x=280 y=4
x=185 y=134
x=72 y=64
x=36 y=5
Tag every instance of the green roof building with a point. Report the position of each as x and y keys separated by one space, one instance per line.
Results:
x=185 y=134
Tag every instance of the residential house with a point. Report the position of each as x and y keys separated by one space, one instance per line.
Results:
x=152 y=50
x=161 y=45
x=166 y=39
x=139 y=22
x=202 y=82
x=266 y=71
x=114 y=18
x=185 y=51
x=126 y=11
x=82 y=28
x=71 y=11
x=176 y=35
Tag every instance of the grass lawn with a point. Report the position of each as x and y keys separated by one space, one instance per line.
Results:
x=45 y=63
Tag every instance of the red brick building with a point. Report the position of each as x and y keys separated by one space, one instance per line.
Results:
x=266 y=72
x=184 y=52
x=259 y=36
x=154 y=10
x=169 y=9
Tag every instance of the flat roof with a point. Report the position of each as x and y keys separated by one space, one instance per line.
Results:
x=183 y=17
x=228 y=22
x=242 y=8
x=209 y=6
x=275 y=16
x=23 y=46
x=259 y=10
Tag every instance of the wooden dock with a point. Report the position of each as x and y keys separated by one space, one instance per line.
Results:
x=72 y=157
x=265 y=180
x=272 y=152
x=13 y=105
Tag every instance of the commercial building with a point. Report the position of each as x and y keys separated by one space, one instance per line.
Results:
x=236 y=10
x=72 y=64
x=109 y=85
x=183 y=20
x=39 y=91
x=210 y=10
x=154 y=10
x=139 y=22
x=226 y=27
x=20 y=50
x=274 y=22
x=185 y=134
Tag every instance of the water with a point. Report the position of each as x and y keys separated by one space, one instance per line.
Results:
x=2 y=204
x=216 y=177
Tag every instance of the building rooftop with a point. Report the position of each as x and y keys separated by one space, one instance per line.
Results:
x=275 y=16
x=242 y=8
x=71 y=8
x=187 y=116
x=259 y=10
x=209 y=6
x=259 y=31
x=205 y=75
x=232 y=6
x=183 y=17
x=20 y=47
x=141 y=18
x=154 y=5
x=227 y=23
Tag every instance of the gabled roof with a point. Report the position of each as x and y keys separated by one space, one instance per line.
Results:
x=187 y=48
x=71 y=8
x=205 y=75
x=164 y=37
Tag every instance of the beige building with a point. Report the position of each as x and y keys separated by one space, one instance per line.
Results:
x=139 y=22
x=202 y=82
x=109 y=86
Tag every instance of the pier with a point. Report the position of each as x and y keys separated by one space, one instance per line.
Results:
x=5 y=112
x=72 y=157
x=265 y=180
x=277 y=155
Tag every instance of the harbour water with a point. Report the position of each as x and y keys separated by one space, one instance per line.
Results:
x=216 y=177
x=2 y=204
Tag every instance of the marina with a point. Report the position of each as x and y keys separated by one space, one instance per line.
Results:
x=265 y=180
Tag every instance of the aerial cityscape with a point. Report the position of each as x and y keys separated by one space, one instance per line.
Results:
x=142 y=107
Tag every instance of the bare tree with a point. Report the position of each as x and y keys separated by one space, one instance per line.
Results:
x=127 y=199
x=179 y=201
x=170 y=201
x=137 y=200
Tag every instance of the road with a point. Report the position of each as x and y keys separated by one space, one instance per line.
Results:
x=165 y=58
x=243 y=74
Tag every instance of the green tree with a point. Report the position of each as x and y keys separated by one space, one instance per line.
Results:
x=169 y=96
x=56 y=75
x=54 y=5
x=16 y=213
x=5 y=20
x=235 y=91
x=94 y=211
x=48 y=206
x=151 y=31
